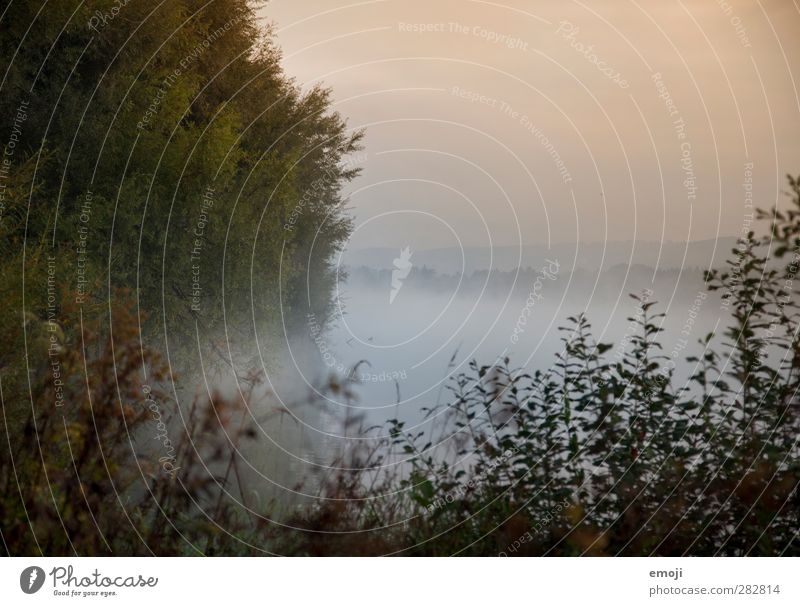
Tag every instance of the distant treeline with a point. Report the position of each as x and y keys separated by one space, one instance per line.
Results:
x=499 y=283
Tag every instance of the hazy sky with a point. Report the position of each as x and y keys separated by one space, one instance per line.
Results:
x=510 y=121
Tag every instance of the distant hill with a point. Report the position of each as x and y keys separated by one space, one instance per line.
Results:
x=591 y=256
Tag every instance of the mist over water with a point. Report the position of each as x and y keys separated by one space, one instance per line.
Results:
x=404 y=324
x=405 y=351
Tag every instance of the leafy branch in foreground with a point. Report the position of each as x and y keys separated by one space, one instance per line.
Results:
x=611 y=455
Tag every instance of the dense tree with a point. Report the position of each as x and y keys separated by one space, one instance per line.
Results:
x=163 y=150
x=157 y=161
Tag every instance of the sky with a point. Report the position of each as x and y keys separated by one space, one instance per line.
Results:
x=518 y=123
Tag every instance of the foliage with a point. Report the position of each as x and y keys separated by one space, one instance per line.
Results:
x=609 y=454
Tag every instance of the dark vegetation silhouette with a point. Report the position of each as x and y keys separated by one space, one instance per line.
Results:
x=598 y=455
